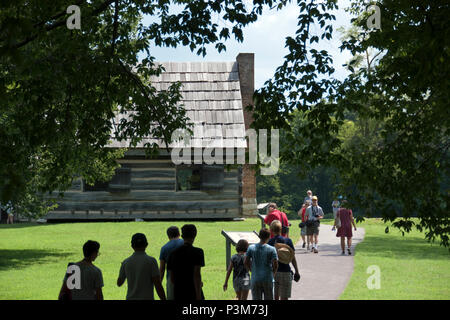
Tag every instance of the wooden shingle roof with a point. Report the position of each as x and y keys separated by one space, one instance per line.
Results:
x=212 y=98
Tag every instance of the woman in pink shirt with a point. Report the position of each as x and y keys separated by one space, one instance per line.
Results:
x=345 y=231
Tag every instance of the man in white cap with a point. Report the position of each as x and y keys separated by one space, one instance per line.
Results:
x=313 y=215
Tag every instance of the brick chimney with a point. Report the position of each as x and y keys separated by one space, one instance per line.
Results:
x=246 y=67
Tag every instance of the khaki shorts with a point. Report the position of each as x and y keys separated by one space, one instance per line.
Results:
x=313 y=230
x=283 y=284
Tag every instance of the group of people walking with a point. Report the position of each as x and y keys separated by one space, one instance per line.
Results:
x=311 y=214
x=264 y=267
x=181 y=263
x=268 y=261
x=181 y=260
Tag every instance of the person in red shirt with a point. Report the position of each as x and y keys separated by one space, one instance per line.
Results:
x=275 y=214
x=301 y=213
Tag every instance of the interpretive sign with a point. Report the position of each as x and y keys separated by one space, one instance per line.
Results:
x=262 y=217
x=232 y=238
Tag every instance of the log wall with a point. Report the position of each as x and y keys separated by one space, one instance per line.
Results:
x=152 y=195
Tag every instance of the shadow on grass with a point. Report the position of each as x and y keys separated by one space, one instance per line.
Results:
x=402 y=248
x=23 y=258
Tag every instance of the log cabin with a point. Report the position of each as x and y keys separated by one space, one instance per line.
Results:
x=215 y=95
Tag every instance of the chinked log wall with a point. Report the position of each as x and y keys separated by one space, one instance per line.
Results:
x=152 y=195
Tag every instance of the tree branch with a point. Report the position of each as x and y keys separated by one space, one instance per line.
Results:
x=373 y=58
x=58 y=24
x=113 y=43
x=115 y=27
x=143 y=90
x=59 y=15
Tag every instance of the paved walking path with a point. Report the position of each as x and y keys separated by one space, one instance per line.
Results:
x=324 y=275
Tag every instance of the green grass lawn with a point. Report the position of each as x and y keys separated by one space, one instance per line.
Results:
x=410 y=267
x=33 y=258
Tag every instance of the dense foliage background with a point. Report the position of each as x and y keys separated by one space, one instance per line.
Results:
x=384 y=129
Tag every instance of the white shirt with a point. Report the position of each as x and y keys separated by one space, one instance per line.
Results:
x=309 y=212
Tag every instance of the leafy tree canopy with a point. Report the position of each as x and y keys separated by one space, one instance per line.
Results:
x=397 y=162
x=61 y=88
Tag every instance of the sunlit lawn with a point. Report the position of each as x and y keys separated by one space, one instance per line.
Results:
x=410 y=267
x=33 y=258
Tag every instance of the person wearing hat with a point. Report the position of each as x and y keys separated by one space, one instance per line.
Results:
x=286 y=256
x=308 y=197
x=141 y=272
x=313 y=215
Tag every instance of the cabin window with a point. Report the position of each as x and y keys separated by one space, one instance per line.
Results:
x=212 y=177
x=200 y=177
x=120 y=182
x=189 y=177
x=98 y=186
